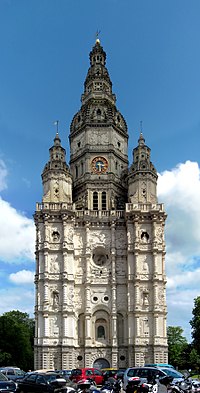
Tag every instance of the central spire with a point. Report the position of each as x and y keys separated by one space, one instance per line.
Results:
x=98 y=141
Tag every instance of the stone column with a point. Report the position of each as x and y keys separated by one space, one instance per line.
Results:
x=114 y=298
x=65 y=325
x=88 y=322
x=46 y=325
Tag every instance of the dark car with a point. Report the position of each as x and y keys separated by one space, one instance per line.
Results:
x=108 y=373
x=64 y=373
x=94 y=374
x=120 y=374
x=7 y=386
x=41 y=383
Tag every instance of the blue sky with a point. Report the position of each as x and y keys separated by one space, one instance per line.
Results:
x=153 y=58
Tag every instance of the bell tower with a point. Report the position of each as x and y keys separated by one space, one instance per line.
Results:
x=100 y=250
x=98 y=142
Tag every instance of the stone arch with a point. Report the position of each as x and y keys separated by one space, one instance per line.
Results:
x=101 y=363
x=101 y=331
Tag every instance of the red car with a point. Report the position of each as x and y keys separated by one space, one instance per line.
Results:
x=95 y=374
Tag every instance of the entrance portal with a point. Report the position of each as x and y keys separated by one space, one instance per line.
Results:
x=101 y=363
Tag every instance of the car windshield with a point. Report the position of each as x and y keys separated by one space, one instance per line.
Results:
x=132 y=372
x=51 y=377
x=76 y=372
x=172 y=373
x=3 y=377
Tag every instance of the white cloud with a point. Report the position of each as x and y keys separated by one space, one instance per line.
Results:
x=179 y=190
x=17 y=234
x=22 y=277
x=3 y=175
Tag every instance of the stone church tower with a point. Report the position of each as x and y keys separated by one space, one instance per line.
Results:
x=100 y=251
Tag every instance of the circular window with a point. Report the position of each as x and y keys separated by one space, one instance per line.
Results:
x=106 y=298
x=79 y=357
x=122 y=357
x=95 y=298
x=100 y=259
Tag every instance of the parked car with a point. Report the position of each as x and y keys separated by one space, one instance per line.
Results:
x=7 y=386
x=64 y=373
x=87 y=373
x=146 y=374
x=41 y=383
x=3 y=377
x=109 y=373
x=120 y=374
x=13 y=373
x=176 y=375
x=166 y=365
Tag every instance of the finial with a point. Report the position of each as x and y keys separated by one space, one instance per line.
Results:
x=56 y=124
x=141 y=139
x=97 y=36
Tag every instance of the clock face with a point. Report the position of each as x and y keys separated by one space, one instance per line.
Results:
x=99 y=165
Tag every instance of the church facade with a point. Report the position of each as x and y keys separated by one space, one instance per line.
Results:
x=100 y=250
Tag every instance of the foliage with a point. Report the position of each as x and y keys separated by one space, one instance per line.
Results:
x=177 y=347
x=195 y=324
x=16 y=340
x=194 y=360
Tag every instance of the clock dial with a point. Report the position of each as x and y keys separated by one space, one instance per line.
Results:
x=99 y=165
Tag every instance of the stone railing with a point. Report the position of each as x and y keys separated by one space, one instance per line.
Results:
x=148 y=207
x=54 y=206
x=100 y=213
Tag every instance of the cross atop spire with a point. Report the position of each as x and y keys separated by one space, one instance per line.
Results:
x=97 y=36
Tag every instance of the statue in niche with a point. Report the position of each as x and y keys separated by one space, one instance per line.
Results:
x=55 y=299
x=55 y=236
x=145 y=265
x=70 y=296
x=144 y=237
x=145 y=299
x=54 y=266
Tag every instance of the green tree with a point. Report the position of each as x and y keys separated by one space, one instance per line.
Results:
x=195 y=324
x=177 y=347
x=16 y=339
x=194 y=360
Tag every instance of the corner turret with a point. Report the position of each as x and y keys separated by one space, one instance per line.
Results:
x=56 y=178
x=142 y=178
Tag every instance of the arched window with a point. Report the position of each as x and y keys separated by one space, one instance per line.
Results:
x=95 y=200
x=98 y=112
x=103 y=201
x=100 y=332
x=76 y=170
